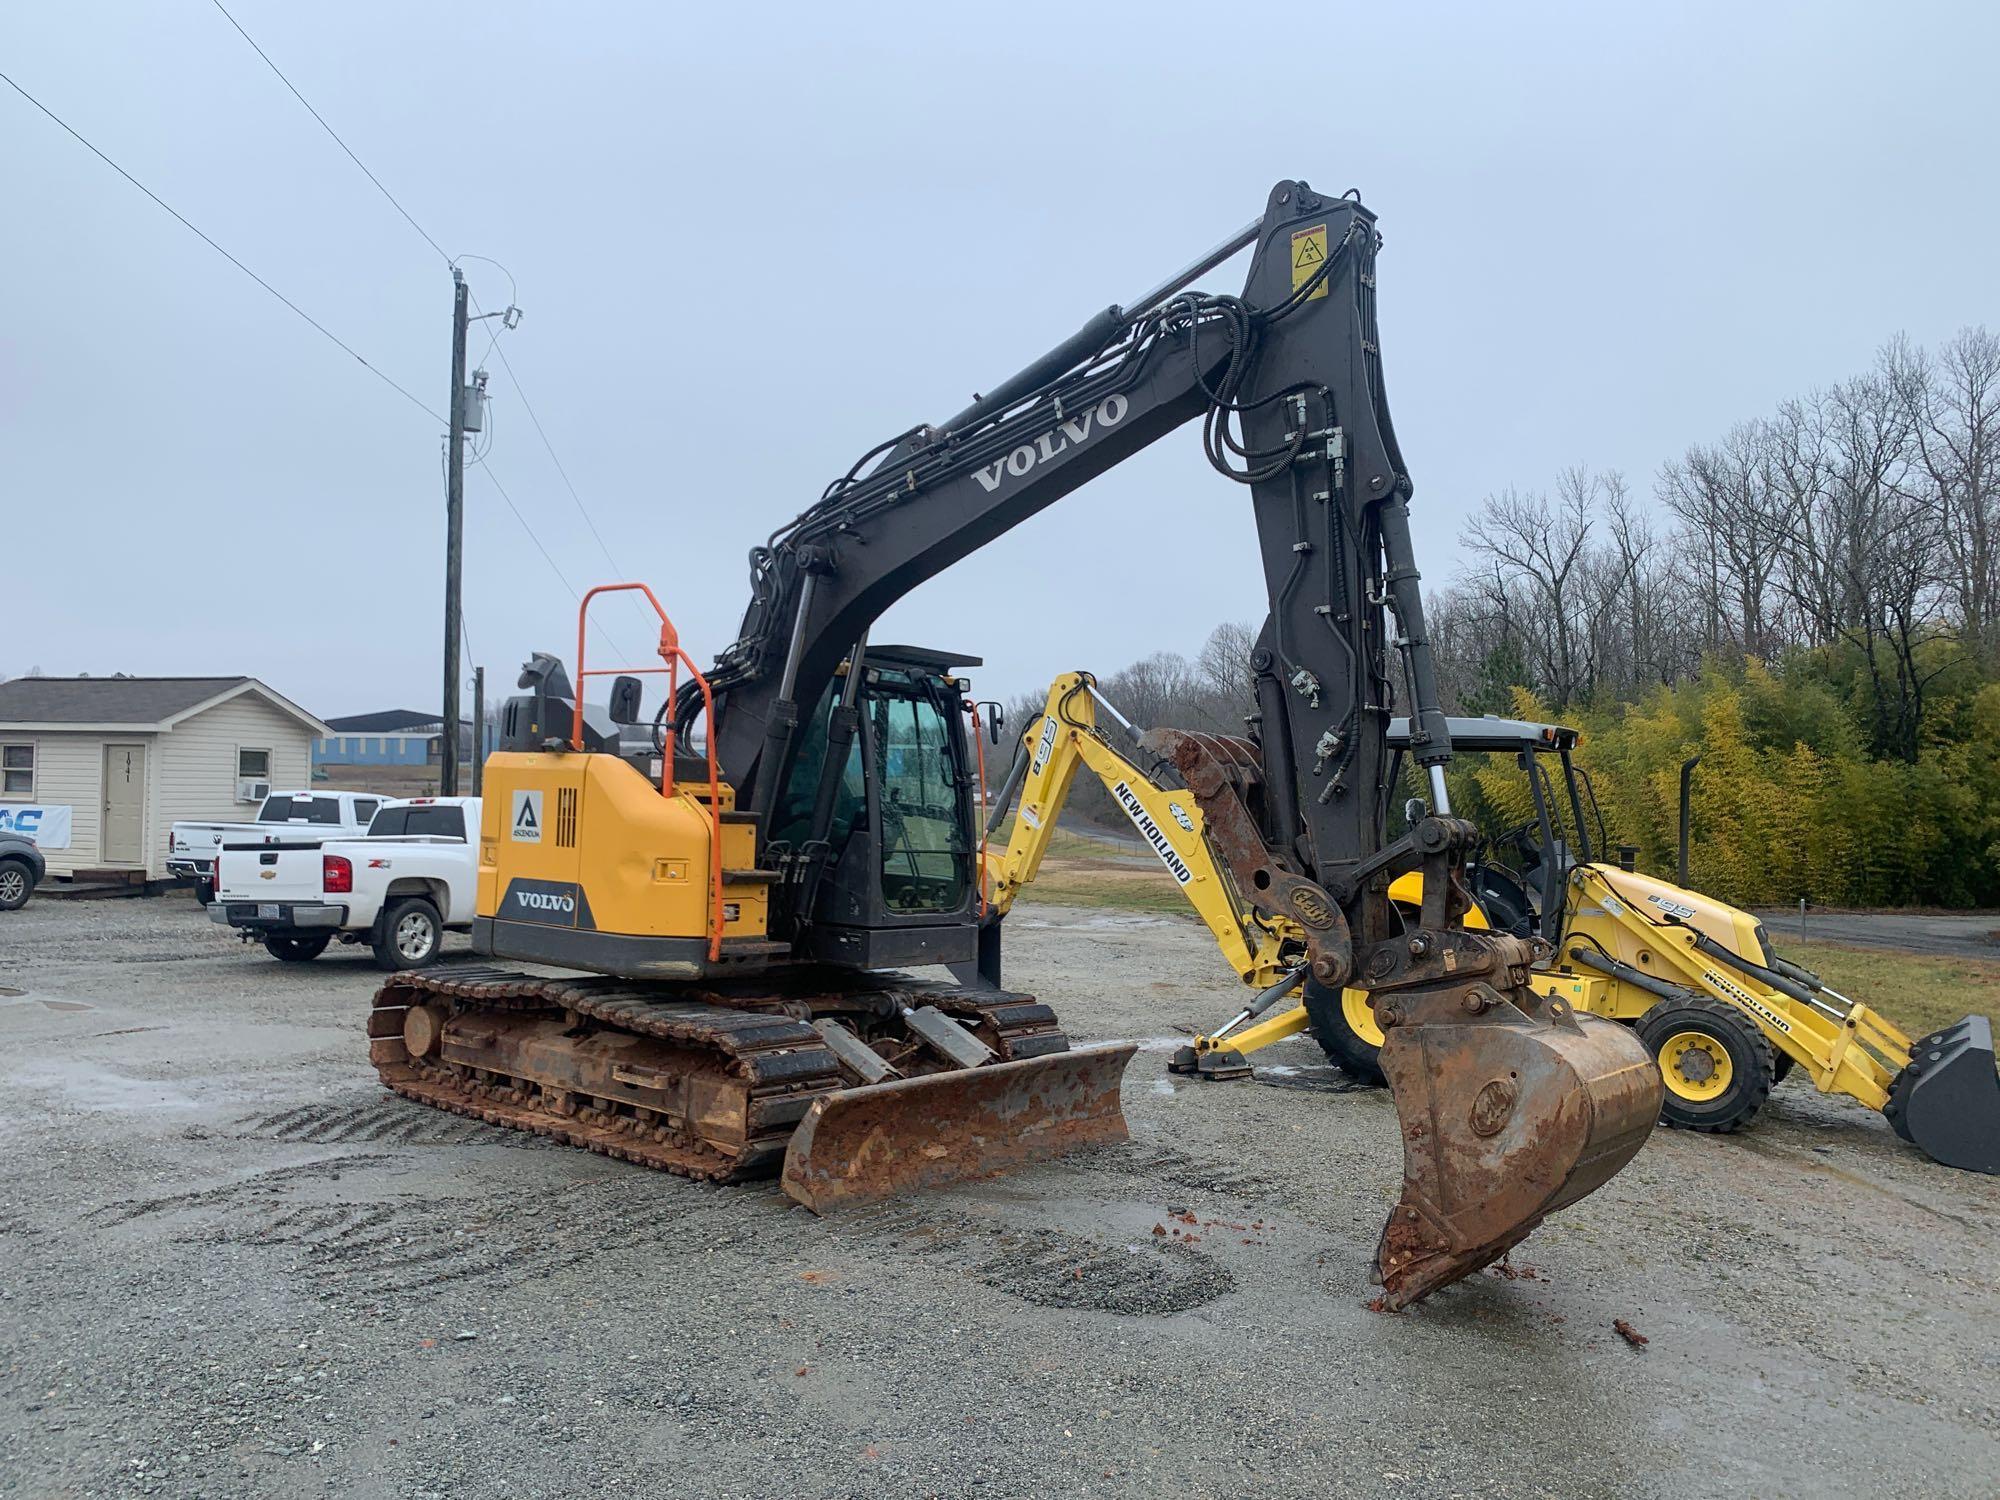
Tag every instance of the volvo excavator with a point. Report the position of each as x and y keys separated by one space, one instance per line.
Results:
x=1725 y=1015
x=734 y=918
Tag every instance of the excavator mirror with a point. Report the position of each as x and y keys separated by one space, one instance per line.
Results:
x=994 y=717
x=625 y=693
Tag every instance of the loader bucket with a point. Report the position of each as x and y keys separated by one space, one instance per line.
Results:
x=875 y=1142
x=1505 y=1118
x=1946 y=1103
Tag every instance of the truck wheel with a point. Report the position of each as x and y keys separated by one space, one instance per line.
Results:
x=1717 y=1066
x=16 y=881
x=204 y=892
x=1344 y=1026
x=410 y=934
x=296 y=950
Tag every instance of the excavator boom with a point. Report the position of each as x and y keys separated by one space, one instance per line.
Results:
x=829 y=835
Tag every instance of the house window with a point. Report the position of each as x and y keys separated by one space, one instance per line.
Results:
x=253 y=765
x=17 y=772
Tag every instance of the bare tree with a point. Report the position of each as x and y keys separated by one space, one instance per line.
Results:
x=1952 y=403
x=1536 y=548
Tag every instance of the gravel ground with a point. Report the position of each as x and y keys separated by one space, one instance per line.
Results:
x=232 y=1265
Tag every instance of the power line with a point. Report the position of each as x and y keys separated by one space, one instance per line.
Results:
x=529 y=407
x=330 y=130
x=322 y=329
x=574 y=594
x=493 y=342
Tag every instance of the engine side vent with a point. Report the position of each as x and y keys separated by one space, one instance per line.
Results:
x=566 y=817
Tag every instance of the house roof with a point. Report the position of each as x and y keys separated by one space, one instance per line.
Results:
x=127 y=703
x=391 y=721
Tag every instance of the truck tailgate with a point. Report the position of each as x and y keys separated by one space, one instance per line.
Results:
x=267 y=873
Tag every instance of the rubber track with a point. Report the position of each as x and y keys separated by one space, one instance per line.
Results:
x=777 y=1056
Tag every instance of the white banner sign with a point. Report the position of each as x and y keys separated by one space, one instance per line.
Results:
x=45 y=825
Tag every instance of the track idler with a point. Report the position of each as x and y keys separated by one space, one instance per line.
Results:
x=1946 y=1103
x=1511 y=1105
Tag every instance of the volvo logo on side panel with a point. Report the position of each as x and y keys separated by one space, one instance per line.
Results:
x=551 y=903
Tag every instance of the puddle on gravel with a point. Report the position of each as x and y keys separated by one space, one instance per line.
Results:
x=12 y=996
x=1312 y=1080
x=88 y=1087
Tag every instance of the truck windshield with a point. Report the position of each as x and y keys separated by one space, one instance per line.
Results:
x=926 y=849
x=300 y=810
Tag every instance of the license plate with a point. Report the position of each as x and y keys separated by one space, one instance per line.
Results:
x=267 y=912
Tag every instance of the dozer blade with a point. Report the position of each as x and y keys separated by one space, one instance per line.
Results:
x=864 y=1144
x=1946 y=1103
x=1506 y=1117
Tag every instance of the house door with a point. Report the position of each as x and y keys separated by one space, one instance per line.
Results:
x=122 y=836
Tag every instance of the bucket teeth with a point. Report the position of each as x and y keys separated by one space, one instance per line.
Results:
x=1946 y=1102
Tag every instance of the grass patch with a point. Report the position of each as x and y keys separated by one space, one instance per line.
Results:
x=1919 y=992
x=1113 y=884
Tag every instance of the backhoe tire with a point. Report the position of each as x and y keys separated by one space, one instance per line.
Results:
x=410 y=935
x=1781 y=1065
x=1716 y=1065
x=1333 y=1028
x=296 y=950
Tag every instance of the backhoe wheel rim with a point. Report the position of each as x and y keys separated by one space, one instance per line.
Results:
x=413 y=936
x=13 y=885
x=1696 y=1066
x=1360 y=1017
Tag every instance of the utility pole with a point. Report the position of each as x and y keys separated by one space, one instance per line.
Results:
x=478 y=730
x=454 y=537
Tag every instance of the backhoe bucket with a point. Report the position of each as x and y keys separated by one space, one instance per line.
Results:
x=1506 y=1117
x=1946 y=1103
x=864 y=1144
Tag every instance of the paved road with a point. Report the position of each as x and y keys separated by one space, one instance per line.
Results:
x=1941 y=934
x=230 y=1265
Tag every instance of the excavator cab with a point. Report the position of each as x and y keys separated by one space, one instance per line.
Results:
x=899 y=847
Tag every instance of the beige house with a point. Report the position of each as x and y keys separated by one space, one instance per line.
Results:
x=97 y=769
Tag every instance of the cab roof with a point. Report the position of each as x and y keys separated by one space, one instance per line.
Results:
x=1490 y=733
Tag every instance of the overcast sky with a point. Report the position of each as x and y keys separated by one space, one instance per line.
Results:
x=752 y=241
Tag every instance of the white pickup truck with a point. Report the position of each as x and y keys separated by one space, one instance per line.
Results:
x=398 y=888
x=191 y=846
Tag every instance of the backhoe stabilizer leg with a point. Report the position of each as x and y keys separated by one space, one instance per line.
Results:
x=1946 y=1103
x=1511 y=1107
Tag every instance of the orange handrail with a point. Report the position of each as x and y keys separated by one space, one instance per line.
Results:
x=675 y=658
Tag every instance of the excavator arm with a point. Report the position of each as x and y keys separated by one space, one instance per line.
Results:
x=1511 y=1105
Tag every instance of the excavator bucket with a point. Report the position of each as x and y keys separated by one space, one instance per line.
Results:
x=1506 y=1117
x=874 y=1142
x=1946 y=1103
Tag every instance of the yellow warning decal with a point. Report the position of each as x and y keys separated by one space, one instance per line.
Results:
x=1309 y=258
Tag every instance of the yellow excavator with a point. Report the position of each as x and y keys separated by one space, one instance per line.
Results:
x=733 y=920
x=1725 y=1016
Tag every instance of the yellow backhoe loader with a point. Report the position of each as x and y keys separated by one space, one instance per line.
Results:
x=1725 y=1016
x=732 y=921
